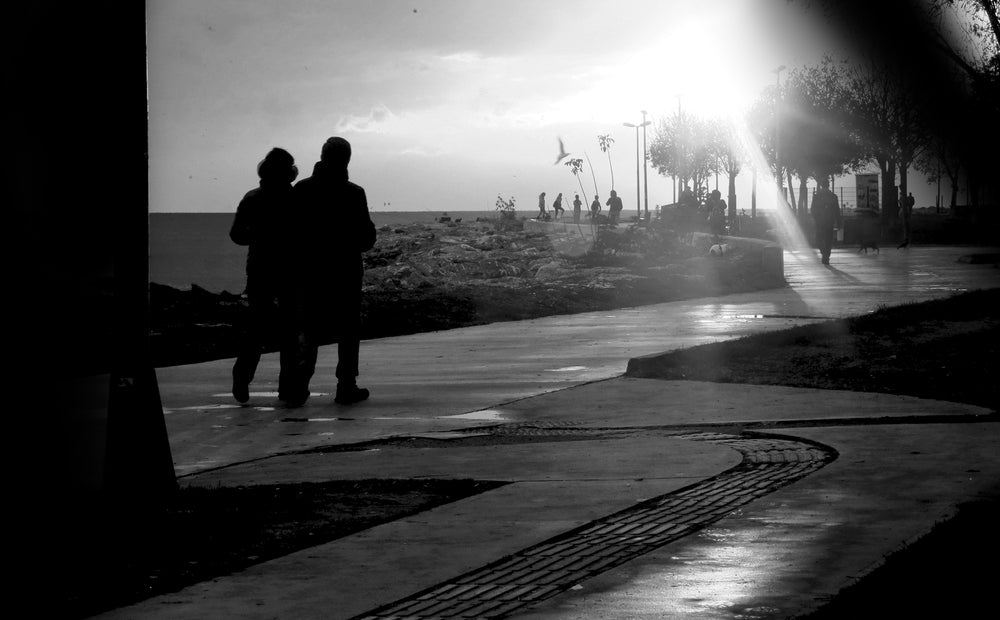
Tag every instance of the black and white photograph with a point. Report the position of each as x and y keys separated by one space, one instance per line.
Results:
x=373 y=309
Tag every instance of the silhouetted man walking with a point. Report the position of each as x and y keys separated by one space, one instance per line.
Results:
x=826 y=216
x=263 y=222
x=336 y=230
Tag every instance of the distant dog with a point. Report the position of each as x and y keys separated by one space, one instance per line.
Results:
x=869 y=244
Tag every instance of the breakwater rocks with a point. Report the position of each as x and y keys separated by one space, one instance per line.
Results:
x=427 y=277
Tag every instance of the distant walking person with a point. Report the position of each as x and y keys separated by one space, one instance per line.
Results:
x=595 y=208
x=615 y=207
x=557 y=208
x=577 y=207
x=336 y=229
x=263 y=222
x=826 y=217
x=541 y=206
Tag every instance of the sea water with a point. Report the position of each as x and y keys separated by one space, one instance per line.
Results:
x=188 y=249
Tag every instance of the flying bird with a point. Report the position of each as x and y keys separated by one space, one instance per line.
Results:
x=562 y=153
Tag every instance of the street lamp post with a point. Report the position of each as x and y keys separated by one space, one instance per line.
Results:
x=677 y=189
x=645 y=179
x=636 y=165
x=777 y=131
x=638 y=188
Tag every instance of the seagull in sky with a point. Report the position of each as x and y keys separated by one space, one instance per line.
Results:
x=562 y=152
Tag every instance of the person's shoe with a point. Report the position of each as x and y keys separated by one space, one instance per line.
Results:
x=350 y=394
x=294 y=399
x=241 y=391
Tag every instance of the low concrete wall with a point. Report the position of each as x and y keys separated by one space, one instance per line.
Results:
x=768 y=253
x=563 y=225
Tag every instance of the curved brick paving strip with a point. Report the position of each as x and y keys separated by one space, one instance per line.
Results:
x=556 y=565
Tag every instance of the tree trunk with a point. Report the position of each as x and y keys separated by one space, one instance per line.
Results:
x=791 y=192
x=803 y=197
x=904 y=207
x=732 y=194
x=753 y=196
x=888 y=170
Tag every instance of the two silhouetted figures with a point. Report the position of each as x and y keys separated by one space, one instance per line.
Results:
x=304 y=271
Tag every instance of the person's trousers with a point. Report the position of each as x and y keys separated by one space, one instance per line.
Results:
x=824 y=240
x=269 y=323
x=329 y=320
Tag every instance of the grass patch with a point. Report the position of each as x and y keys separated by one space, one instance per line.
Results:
x=118 y=555
x=950 y=566
x=942 y=349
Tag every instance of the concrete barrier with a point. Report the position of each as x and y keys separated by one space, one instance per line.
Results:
x=769 y=254
x=563 y=226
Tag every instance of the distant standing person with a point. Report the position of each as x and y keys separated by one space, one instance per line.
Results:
x=615 y=207
x=577 y=207
x=595 y=208
x=716 y=207
x=557 y=208
x=826 y=217
x=541 y=206
x=908 y=203
x=263 y=222
x=336 y=230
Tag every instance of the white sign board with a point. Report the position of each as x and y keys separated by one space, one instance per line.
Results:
x=867 y=188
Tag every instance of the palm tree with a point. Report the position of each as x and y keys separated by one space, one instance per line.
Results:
x=606 y=141
x=576 y=167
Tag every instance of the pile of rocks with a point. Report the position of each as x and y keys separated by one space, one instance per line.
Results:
x=425 y=277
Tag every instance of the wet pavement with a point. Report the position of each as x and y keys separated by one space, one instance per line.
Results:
x=661 y=499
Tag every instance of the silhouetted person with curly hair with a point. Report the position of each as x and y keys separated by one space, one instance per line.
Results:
x=264 y=222
x=336 y=229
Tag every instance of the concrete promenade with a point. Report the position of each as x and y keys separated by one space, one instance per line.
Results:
x=659 y=504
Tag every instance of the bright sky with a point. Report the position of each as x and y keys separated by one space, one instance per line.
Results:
x=446 y=102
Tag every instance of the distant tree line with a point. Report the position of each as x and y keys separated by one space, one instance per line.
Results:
x=920 y=91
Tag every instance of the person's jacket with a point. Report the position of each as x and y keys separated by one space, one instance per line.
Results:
x=336 y=228
x=825 y=208
x=263 y=222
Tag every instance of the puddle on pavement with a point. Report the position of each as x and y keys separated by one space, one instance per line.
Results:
x=266 y=395
x=566 y=369
x=298 y=419
x=486 y=414
x=447 y=435
x=207 y=407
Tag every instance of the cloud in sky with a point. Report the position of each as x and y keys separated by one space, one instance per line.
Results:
x=468 y=93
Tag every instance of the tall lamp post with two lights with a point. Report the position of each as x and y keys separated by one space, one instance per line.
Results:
x=638 y=206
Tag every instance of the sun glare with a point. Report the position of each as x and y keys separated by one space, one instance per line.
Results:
x=699 y=66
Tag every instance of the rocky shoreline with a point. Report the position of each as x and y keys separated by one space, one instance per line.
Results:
x=428 y=277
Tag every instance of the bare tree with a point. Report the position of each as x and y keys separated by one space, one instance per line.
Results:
x=731 y=154
x=683 y=145
x=887 y=119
